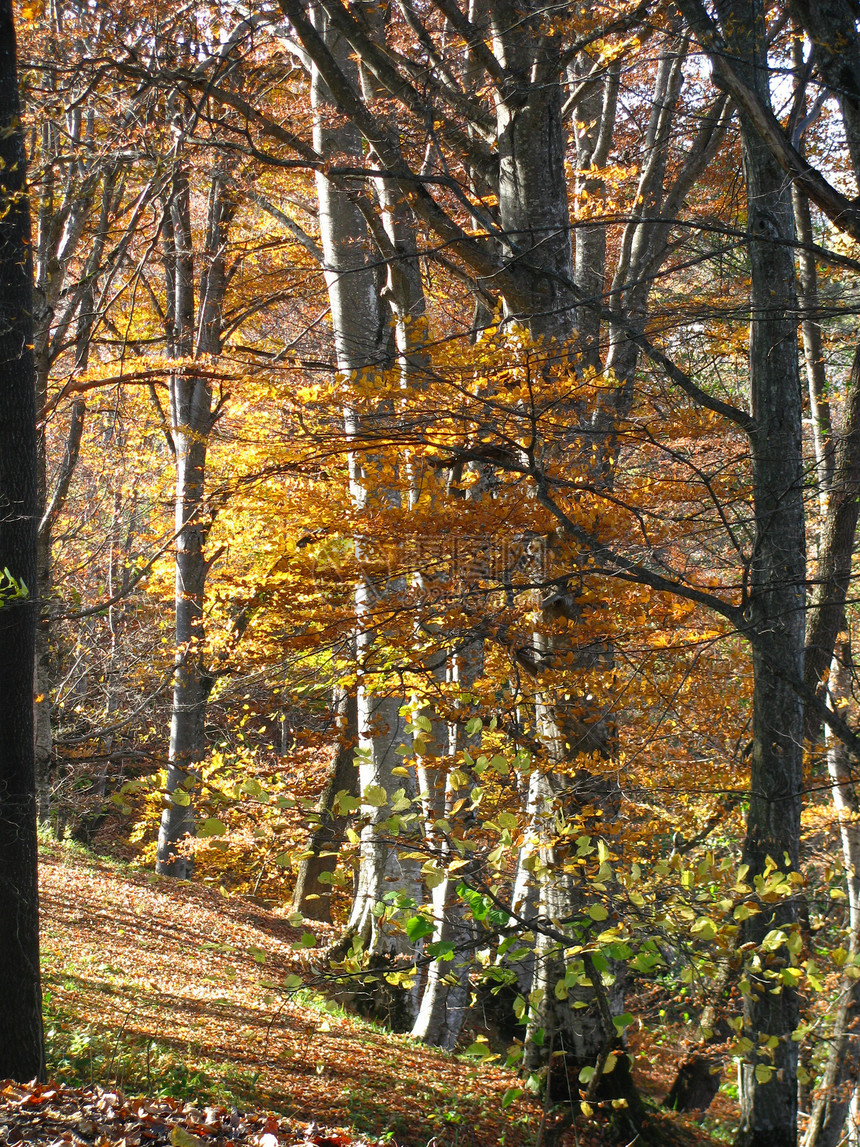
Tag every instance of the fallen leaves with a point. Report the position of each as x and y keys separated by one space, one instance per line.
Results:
x=54 y=1116
x=139 y=968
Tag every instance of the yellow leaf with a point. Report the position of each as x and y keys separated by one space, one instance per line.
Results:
x=179 y=1137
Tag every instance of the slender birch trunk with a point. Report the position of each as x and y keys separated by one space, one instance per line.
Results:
x=192 y=334
x=65 y=208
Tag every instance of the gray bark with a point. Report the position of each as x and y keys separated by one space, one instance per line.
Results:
x=813 y=349
x=835 y=549
x=361 y=341
x=776 y=599
x=191 y=334
x=533 y=205
x=838 y=1087
x=446 y=993
x=65 y=209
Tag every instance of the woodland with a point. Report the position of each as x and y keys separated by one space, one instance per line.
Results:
x=429 y=483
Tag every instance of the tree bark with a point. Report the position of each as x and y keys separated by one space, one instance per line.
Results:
x=361 y=339
x=775 y=609
x=192 y=417
x=311 y=896
x=21 y=1040
x=835 y=550
x=446 y=993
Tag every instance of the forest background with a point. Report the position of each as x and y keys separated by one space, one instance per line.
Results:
x=462 y=402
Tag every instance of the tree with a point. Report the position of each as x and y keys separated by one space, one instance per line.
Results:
x=21 y=1047
x=193 y=334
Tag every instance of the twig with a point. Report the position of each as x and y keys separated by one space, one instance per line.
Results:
x=116 y=1043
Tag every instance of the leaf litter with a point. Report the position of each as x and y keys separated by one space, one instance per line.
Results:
x=58 y=1116
x=145 y=963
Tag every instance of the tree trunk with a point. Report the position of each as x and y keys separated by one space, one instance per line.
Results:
x=533 y=206
x=191 y=403
x=192 y=418
x=21 y=1041
x=361 y=340
x=65 y=209
x=813 y=348
x=312 y=896
x=698 y=1078
x=446 y=993
x=768 y=1079
x=835 y=550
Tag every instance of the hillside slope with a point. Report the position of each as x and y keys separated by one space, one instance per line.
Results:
x=172 y=992
x=167 y=988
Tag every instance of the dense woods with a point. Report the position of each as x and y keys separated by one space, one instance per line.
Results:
x=430 y=464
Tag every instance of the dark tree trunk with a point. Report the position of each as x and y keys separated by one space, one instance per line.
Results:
x=699 y=1076
x=768 y=1080
x=21 y=1046
x=312 y=897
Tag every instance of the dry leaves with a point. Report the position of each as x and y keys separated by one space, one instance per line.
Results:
x=56 y=1116
x=142 y=960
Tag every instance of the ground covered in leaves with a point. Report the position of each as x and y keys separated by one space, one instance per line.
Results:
x=176 y=994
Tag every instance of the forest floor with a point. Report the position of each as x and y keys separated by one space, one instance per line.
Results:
x=173 y=992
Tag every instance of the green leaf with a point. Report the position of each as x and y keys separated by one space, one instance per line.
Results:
x=794 y=943
x=441 y=950
x=212 y=827
x=598 y=912
x=345 y=804
x=180 y=798
x=418 y=927
x=622 y=1022
x=704 y=929
x=744 y=911
x=179 y=1137
x=433 y=874
x=376 y=796
x=512 y=1094
x=480 y=1050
